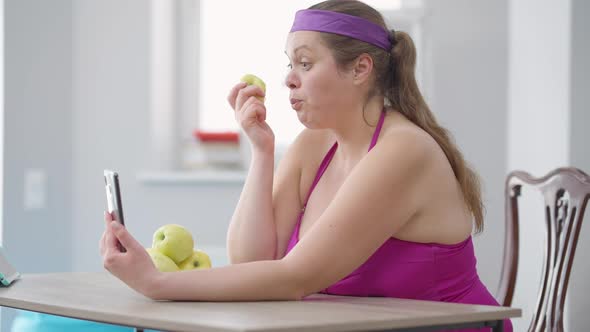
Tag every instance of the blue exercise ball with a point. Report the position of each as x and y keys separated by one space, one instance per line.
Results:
x=28 y=321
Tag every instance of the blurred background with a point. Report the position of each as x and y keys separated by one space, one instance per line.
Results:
x=129 y=85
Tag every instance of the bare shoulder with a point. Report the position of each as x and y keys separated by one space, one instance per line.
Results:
x=408 y=157
x=416 y=157
x=305 y=148
x=404 y=142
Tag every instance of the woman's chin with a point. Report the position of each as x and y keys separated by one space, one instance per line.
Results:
x=308 y=124
x=303 y=119
x=307 y=120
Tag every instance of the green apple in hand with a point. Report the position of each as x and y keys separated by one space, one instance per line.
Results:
x=198 y=260
x=173 y=241
x=162 y=262
x=254 y=80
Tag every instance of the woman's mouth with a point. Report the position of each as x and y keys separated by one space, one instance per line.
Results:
x=296 y=104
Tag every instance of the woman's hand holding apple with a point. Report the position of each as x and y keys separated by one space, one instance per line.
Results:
x=247 y=100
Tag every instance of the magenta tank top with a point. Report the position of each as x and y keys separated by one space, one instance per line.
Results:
x=412 y=270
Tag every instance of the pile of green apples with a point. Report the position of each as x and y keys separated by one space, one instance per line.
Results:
x=173 y=250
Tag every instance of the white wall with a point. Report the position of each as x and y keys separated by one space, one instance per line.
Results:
x=580 y=85
x=468 y=66
x=1 y=113
x=577 y=300
x=1 y=123
x=37 y=134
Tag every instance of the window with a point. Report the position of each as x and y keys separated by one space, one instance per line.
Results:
x=233 y=44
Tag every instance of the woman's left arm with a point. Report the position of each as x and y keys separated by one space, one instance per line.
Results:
x=379 y=196
x=259 y=280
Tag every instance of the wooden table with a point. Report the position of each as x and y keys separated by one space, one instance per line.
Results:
x=103 y=298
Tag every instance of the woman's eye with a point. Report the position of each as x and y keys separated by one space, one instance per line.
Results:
x=304 y=65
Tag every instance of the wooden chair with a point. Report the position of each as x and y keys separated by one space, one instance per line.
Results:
x=566 y=192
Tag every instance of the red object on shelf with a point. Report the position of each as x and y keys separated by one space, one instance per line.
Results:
x=216 y=136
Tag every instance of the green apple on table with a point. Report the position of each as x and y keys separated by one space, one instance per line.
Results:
x=198 y=260
x=173 y=250
x=173 y=241
x=163 y=263
x=251 y=79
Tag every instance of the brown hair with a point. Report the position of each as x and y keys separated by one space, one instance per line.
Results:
x=395 y=80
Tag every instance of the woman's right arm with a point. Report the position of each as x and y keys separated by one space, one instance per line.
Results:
x=257 y=231
x=266 y=213
x=252 y=234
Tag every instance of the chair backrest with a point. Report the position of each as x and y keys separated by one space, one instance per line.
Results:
x=566 y=192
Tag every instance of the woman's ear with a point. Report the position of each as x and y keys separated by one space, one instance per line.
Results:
x=362 y=68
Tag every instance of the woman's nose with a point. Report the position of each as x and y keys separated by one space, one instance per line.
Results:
x=291 y=81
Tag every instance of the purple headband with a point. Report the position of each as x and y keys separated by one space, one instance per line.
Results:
x=342 y=24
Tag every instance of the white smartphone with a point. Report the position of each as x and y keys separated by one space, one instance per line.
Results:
x=8 y=273
x=113 y=191
x=114 y=200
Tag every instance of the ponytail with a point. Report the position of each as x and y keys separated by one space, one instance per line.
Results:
x=405 y=96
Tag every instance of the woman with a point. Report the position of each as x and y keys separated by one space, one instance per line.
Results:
x=373 y=193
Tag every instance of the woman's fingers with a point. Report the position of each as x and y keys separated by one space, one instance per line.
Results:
x=261 y=112
x=101 y=243
x=242 y=113
x=253 y=111
x=111 y=242
x=245 y=93
x=233 y=93
x=124 y=237
x=108 y=217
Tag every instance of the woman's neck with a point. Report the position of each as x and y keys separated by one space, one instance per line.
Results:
x=354 y=135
